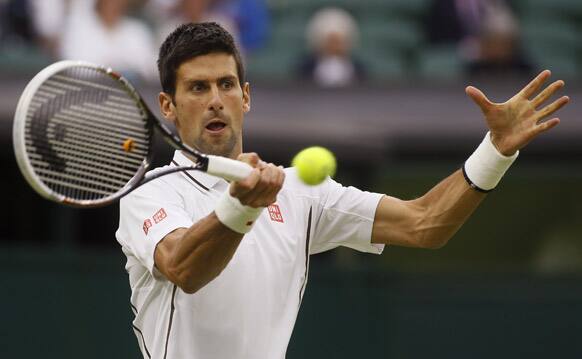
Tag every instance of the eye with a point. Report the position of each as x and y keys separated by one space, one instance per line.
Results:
x=227 y=84
x=198 y=86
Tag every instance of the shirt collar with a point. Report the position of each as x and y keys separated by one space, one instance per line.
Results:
x=204 y=178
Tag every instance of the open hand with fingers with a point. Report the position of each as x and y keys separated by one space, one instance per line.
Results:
x=514 y=123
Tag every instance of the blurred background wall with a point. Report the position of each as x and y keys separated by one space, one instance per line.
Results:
x=380 y=82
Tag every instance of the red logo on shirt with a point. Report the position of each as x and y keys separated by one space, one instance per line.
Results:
x=159 y=216
x=147 y=224
x=275 y=213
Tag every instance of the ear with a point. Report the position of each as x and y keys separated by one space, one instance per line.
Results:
x=246 y=90
x=167 y=107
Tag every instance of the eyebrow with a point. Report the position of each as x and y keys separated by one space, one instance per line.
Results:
x=220 y=78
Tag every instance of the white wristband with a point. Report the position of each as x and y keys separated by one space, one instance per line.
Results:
x=486 y=166
x=235 y=215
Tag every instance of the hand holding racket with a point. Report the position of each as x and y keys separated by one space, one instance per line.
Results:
x=83 y=137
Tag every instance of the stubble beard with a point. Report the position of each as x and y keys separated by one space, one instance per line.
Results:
x=224 y=148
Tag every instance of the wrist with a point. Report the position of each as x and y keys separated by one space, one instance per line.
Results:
x=235 y=215
x=486 y=166
x=499 y=147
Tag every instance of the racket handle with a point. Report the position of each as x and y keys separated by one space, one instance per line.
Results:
x=227 y=168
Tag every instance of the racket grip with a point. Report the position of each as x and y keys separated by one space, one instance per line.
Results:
x=227 y=168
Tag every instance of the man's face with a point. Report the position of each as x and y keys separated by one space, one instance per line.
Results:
x=209 y=104
x=336 y=44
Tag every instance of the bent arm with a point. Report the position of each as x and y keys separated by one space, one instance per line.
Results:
x=429 y=221
x=192 y=257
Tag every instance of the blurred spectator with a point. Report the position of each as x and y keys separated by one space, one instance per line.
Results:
x=453 y=21
x=253 y=23
x=19 y=50
x=15 y=23
x=246 y=20
x=331 y=35
x=168 y=14
x=49 y=18
x=498 y=45
x=485 y=32
x=99 y=31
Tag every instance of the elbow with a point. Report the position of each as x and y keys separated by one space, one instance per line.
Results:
x=189 y=285
x=183 y=279
x=435 y=244
x=432 y=239
x=189 y=281
x=188 y=288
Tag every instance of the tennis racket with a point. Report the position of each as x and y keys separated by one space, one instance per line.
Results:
x=83 y=137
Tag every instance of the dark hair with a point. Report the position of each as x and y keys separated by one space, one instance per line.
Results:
x=191 y=40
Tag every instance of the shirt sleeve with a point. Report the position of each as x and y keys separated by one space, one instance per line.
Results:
x=344 y=216
x=146 y=216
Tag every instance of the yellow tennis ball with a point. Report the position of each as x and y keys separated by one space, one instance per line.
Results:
x=314 y=164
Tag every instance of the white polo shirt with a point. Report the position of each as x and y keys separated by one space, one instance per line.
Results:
x=249 y=310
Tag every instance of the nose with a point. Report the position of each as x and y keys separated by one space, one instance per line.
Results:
x=215 y=103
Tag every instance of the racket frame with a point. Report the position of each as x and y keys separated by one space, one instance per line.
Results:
x=22 y=159
x=18 y=130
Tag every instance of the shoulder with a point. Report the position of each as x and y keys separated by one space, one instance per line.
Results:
x=162 y=188
x=294 y=186
x=292 y=181
x=328 y=193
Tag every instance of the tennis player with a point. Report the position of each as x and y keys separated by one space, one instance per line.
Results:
x=217 y=269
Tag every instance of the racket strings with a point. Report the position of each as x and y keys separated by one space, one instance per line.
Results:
x=85 y=135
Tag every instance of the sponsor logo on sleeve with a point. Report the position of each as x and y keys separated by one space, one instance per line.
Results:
x=147 y=224
x=157 y=217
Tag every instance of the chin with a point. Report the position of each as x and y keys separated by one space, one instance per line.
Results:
x=219 y=149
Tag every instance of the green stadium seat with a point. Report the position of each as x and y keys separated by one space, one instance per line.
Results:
x=561 y=65
x=19 y=60
x=383 y=65
x=550 y=8
x=397 y=8
x=551 y=43
x=440 y=62
x=391 y=33
x=561 y=36
x=272 y=64
x=290 y=30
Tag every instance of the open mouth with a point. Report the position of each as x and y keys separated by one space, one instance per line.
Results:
x=215 y=126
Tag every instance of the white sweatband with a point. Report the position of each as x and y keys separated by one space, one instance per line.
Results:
x=486 y=166
x=235 y=215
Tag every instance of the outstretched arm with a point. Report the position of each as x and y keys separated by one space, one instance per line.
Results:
x=431 y=220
